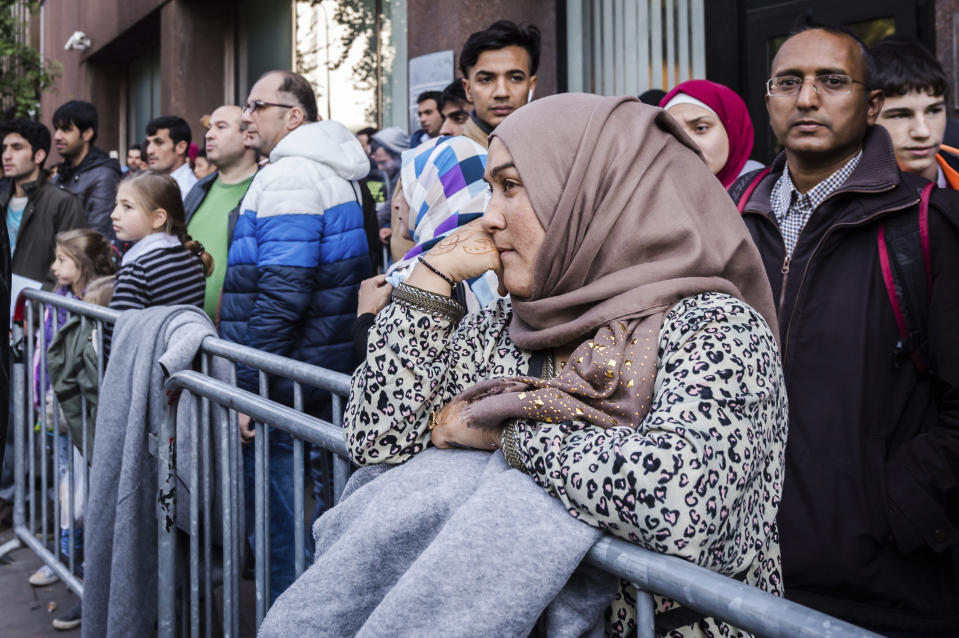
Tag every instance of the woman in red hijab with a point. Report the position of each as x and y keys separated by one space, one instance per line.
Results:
x=717 y=120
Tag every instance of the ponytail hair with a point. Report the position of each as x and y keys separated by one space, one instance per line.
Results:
x=155 y=190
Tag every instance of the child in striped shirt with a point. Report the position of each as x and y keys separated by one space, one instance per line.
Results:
x=165 y=266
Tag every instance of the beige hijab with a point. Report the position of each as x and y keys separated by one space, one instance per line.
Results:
x=634 y=222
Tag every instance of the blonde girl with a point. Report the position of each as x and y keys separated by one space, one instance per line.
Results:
x=84 y=266
x=165 y=266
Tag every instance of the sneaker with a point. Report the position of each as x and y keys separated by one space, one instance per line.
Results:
x=70 y=621
x=43 y=577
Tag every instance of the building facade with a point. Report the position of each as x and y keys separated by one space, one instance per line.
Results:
x=186 y=57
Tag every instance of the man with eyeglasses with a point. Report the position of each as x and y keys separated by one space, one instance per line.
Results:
x=869 y=516
x=298 y=255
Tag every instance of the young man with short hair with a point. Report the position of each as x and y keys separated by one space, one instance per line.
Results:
x=213 y=204
x=499 y=74
x=428 y=113
x=455 y=108
x=134 y=160
x=869 y=519
x=168 y=142
x=85 y=170
x=914 y=110
x=34 y=209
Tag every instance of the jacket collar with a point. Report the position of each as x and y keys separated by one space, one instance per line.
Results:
x=483 y=126
x=877 y=172
x=32 y=188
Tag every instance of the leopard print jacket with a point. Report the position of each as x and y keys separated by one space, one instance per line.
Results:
x=700 y=478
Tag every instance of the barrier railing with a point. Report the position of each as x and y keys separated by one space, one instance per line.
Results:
x=216 y=406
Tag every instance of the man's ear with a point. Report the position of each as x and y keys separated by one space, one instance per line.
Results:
x=532 y=89
x=874 y=105
x=181 y=148
x=466 y=87
x=158 y=218
x=87 y=135
x=295 y=117
x=39 y=157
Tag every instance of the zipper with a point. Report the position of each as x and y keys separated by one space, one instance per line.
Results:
x=812 y=255
x=788 y=259
x=782 y=291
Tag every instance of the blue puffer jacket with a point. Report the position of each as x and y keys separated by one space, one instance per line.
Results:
x=298 y=255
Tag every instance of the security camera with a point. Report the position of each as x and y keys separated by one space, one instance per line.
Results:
x=77 y=42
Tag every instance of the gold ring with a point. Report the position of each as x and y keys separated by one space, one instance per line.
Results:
x=432 y=421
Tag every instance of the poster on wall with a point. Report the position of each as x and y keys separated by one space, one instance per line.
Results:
x=431 y=72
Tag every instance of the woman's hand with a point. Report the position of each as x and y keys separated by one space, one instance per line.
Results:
x=466 y=253
x=450 y=431
x=374 y=294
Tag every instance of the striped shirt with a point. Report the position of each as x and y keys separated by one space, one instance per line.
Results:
x=162 y=277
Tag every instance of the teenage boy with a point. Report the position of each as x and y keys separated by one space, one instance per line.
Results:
x=499 y=74
x=914 y=111
x=455 y=108
x=85 y=170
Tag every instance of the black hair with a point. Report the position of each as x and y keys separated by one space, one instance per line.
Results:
x=177 y=126
x=36 y=134
x=652 y=97
x=369 y=131
x=904 y=65
x=299 y=87
x=454 y=92
x=135 y=147
x=429 y=95
x=868 y=63
x=78 y=113
x=499 y=35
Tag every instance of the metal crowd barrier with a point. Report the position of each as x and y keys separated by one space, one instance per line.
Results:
x=186 y=600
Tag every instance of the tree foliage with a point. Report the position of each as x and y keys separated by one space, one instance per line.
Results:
x=24 y=75
x=357 y=19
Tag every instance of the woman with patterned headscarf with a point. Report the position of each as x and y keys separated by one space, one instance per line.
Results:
x=442 y=188
x=631 y=384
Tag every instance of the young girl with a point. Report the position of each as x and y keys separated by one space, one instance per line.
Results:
x=165 y=266
x=84 y=268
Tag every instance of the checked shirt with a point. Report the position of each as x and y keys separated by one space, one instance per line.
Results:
x=793 y=209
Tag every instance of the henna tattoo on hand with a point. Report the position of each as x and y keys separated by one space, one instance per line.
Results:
x=479 y=246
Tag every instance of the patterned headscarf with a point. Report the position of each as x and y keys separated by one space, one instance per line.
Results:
x=634 y=222
x=443 y=185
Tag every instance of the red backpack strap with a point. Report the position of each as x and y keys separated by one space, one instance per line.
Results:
x=741 y=205
x=924 y=197
x=892 y=293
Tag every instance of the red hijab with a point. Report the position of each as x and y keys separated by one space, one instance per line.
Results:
x=732 y=113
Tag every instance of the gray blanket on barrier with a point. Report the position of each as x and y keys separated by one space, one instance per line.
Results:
x=120 y=543
x=452 y=543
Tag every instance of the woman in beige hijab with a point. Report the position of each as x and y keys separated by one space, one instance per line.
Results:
x=634 y=375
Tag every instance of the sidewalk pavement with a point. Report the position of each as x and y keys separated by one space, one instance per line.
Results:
x=25 y=611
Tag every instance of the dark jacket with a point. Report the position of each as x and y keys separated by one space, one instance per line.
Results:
x=95 y=182
x=869 y=518
x=5 y=304
x=50 y=210
x=196 y=196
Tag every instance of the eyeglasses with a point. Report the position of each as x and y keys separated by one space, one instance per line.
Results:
x=251 y=107
x=828 y=84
